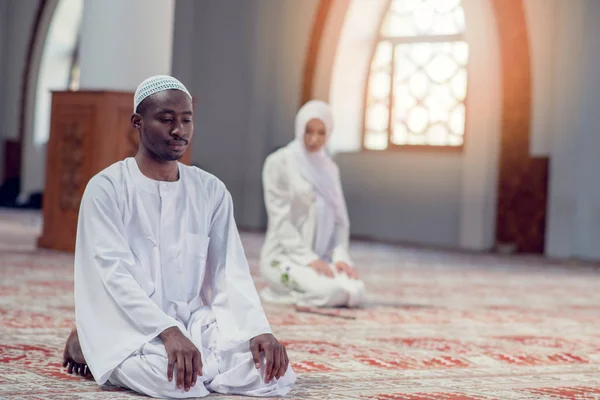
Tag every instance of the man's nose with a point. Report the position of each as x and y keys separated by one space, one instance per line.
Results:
x=177 y=129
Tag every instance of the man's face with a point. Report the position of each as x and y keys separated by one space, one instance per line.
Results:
x=165 y=124
x=315 y=135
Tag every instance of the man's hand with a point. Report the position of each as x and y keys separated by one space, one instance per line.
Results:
x=344 y=268
x=181 y=351
x=276 y=358
x=322 y=268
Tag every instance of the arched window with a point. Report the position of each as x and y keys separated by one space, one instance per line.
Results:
x=418 y=78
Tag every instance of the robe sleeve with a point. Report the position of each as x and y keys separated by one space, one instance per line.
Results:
x=233 y=299
x=342 y=232
x=114 y=315
x=340 y=252
x=277 y=202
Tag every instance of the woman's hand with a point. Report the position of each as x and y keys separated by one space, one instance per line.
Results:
x=322 y=268
x=344 y=268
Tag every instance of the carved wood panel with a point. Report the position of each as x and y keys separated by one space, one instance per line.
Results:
x=71 y=160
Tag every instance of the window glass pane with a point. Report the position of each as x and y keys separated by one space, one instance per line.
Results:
x=418 y=119
x=419 y=85
x=459 y=84
x=400 y=134
x=383 y=56
x=455 y=140
x=417 y=139
x=457 y=120
x=440 y=102
x=406 y=18
x=398 y=26
x=428 y=103
x=427 y=84
x=437 y=135
x=377 y=117
x=380 y=85
x=376 y=140
x=403 y=102
x=461 y=52
x=442 y=67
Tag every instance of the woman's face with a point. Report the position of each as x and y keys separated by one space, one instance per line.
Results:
x=315 y=135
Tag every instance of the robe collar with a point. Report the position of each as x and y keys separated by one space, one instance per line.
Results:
x=162 y=188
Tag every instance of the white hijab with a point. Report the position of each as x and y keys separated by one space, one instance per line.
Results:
x=319 y=169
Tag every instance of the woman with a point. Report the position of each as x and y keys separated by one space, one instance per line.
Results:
x=305 y=256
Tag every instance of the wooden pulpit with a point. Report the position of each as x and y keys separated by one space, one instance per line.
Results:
x=89 y=130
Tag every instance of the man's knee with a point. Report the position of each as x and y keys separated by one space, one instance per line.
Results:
x=147 y=374
x=240 y=363
x=142 y=374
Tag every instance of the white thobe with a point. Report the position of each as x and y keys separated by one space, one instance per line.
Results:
x=152 y=255
x=290 y=243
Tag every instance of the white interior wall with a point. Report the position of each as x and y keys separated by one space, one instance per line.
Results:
x=244 y=62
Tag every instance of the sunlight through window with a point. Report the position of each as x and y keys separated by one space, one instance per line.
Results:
x=418 y=77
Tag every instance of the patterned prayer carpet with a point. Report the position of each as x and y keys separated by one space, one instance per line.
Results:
x=438 y=325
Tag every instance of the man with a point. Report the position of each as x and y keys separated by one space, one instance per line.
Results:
x=165 y=303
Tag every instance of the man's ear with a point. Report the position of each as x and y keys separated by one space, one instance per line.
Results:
x=136 y=121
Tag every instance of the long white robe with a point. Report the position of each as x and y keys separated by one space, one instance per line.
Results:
x=289 y=247
x=152 y=255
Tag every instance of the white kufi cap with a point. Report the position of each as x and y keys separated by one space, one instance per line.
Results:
x=154 y=85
